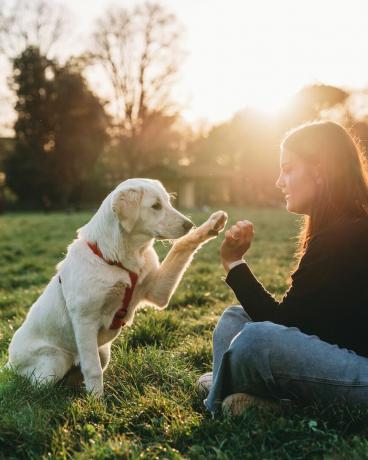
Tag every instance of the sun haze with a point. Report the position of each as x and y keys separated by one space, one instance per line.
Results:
x=242 y=53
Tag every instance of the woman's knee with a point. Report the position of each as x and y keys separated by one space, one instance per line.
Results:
x=249 y=361
x=255 y=342
x=232 y=316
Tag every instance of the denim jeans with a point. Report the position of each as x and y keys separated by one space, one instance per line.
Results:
x=277 y=362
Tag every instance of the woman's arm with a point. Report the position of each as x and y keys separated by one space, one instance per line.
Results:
x=250 y=293
x=310 y=291
x=257 y=301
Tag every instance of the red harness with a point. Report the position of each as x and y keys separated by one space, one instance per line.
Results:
x=117 y=321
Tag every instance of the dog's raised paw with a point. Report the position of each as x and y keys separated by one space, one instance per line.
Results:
x=217 y=222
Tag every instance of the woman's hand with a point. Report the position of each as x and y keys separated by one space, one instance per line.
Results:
x=236 y=242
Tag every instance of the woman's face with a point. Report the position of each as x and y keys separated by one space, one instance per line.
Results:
x=298 y=182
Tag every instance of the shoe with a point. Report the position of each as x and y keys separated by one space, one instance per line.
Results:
x=235 y=404
x=204 y=382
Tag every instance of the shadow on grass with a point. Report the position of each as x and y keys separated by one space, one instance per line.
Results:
x=298 y=433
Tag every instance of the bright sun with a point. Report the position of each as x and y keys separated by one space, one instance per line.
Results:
x=259 y=54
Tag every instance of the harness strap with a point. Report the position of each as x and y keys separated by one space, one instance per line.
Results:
x=117 y=321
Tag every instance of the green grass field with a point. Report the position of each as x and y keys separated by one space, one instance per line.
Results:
x=151 y=408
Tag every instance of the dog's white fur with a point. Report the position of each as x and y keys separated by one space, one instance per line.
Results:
x=69 y=323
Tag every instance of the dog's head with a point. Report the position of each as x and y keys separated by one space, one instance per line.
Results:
x=143 y=207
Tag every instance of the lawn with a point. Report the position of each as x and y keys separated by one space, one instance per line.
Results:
x=151 y=408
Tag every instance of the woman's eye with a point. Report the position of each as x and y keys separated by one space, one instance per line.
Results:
x=157 y=206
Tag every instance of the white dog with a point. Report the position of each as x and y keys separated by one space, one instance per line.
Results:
x=109 y=271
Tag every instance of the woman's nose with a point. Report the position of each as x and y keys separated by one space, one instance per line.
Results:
x=279 y=182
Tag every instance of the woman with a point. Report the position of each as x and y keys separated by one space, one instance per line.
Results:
x=313 y=345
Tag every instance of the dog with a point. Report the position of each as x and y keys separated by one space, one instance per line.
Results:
x=109 y=271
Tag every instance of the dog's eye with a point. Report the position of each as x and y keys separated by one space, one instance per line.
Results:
x=157 y=206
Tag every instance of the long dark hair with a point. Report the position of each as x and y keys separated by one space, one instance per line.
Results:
x=344 y=174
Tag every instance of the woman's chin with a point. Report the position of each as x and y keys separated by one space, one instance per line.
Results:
x=294 y=209
x=291 y=208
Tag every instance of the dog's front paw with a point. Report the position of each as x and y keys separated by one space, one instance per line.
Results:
x=96 y=392
x=216 y=223
x=94 y=386
x=212 y=227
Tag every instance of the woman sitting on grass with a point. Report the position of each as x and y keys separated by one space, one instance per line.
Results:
x=313 y=345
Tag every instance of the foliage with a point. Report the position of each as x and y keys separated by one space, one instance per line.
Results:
x=151 y=407
x=312 y=99
x=59 y=132
x=246 y=147
x=139 y=51
x=80 y=133
x=26 y=23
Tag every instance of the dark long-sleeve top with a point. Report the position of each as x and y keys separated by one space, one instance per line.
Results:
x=328 y=295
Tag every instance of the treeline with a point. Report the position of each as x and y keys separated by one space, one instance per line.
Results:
x=72 y=146
x=247 y=146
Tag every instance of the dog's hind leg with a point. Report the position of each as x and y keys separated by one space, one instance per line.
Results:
x=49 y=366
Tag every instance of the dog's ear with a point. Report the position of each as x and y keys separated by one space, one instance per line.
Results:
x=126 y=205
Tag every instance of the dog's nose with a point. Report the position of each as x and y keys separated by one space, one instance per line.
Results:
x=187 y=225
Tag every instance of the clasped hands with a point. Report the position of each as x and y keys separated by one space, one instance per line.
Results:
x=236 y=243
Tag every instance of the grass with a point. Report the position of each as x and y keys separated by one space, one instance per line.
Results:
x=151 y=408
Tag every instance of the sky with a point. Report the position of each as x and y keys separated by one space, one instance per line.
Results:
x=242 y=53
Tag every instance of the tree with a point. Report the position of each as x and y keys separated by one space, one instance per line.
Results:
x=27 y=169
x=246 y=148
x=59 y=133
x=79 y=132
x=310 y=101
x=140 y=53
x=26 y=23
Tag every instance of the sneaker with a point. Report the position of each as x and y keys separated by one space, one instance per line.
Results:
x=204 y=382
x=237 y=403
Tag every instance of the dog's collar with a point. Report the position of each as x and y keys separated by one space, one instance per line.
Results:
x=117 y=321
x=94 y=247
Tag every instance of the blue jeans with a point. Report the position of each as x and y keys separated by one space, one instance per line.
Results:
x=277 y=362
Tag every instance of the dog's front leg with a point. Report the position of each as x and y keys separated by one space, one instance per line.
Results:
x=164 y=280
x=86 y=339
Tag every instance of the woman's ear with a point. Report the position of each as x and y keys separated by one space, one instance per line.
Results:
x=126 y=205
